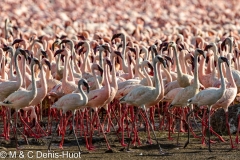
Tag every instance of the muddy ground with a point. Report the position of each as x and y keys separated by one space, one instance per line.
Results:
x=221 y=150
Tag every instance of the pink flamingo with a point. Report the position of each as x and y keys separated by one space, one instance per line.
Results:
x=228 y=97
x=21 y=98
x=71 y=102
x=144 y=95
x=210 y=96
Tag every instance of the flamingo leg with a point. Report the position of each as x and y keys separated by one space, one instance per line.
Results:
x=209 y=132
x=160 y=149
x=75 y=132
x=237 y=140
x=49 y=145
x=227 y=123
x=133 y=128
x=108 y=146
x=188 y=140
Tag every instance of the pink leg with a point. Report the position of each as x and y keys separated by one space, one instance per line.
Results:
x=227 y=123
x=105 y=137
x=238 y=130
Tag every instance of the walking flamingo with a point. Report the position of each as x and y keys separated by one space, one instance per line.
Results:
x=210 y=96
x=71 y=102
x=228 y=97
x=143 y=95
x=21 y=98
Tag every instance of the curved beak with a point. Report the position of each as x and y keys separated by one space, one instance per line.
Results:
x=132 y=50
x=162 y=61
x=115 y=36
x=44 y=53
x=53 y=45
x=24 y=53
x=64 y=41
x=6 y=48
x=169 y=59
x=58 y=52
x=118 y=54
x=86 y=85
x=109 y=64
x=48 y=64
x=150 y=66
x=119 y=46
x=201 y=52
x=106 y=47
x=100 y=70
x=17 y=41
x=225 y=60
x=37 y=62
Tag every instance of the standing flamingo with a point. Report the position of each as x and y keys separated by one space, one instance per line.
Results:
x=210 y=96
x=143 y=95
x=22 y=98
x=228 y=97
x=71 y=102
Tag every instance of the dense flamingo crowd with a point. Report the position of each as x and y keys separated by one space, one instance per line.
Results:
x=135 y=61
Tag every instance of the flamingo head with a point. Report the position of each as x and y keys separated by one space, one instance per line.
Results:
x=85 y=83
x=46 y=61
x=116 y=36
x=108 y=62
x=118 y=54
x=17 y=41
x=224 y=59
x=44 y=53
x=36 y=61
x=161 y=60
x=199 y=51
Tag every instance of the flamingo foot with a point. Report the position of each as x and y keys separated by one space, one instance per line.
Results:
x=123 y=144
x=170 y=138
x=237 y=140
x=211 y=141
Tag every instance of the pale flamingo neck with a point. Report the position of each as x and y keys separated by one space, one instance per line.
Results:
x=86 y=59
x=182 y=62
x=65 y=71
x=196 y=83
x=84 y=95
x=71 y=77
x=230 y=76
x=149 y=81
x=43 y=80
x=161 y=89
x=98 y=86
x=157 y=84
x=2 y=62
x=179 y=70
x=223 y=85
x=201 y=66
x=23 y=71
x=19 y=75
x=130 y=71
x=34 y=86
x=114 y=78
x=124 y=65
x=167 y=74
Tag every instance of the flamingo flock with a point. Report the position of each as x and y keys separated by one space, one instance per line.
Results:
x=135 y=68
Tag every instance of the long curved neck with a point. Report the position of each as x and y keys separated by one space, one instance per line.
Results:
x=230 y=76
x=161 y=89
x=84 y=95
x=71 y=77
x=43 y=81
x=76 y=66
x=130 y=71
x=100 y=58
x=12 y=52
x=48 y=74
x=3 y=67
x=98 y=86
x=6 y=29
x=23 y=72
x=19 y=76
x=196 y=83
x=201 y=66
x=114 y=78
x=65 y=72
x=167 y=74
x=179 y=70
x=157 y=84
x=73 y=54
x=34 y=86
x=86 y=59
x=106 y=80
x=149 y=81
x=124 y=65
x=182 y=62
x=223 y=85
